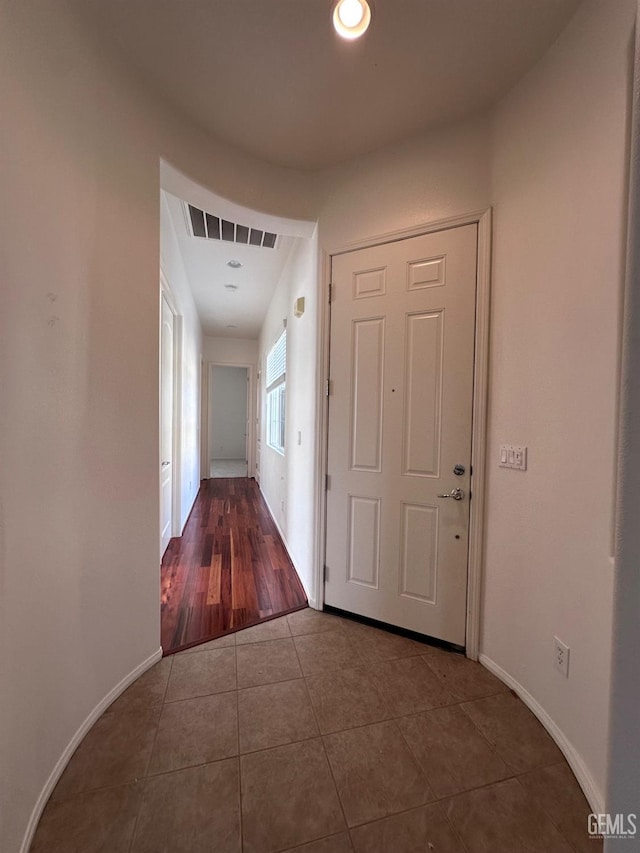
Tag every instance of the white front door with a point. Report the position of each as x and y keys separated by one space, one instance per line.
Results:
x=401 y=367
x=166 y=425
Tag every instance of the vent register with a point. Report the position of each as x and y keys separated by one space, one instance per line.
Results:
x=206 y=225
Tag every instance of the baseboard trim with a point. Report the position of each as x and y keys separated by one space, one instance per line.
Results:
x=311 y=601
x=73 y=744
x=580 y=771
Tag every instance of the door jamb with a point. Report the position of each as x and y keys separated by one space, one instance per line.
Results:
x=251 y=435
x=483 y=219
x=176 y=474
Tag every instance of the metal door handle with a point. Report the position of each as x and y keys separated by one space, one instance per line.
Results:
x=165 y=464
x=456 y=494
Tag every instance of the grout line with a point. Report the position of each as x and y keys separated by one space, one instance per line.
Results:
x=324 y=750
x=335 y=784
x=151 y=751
x=135 y=823
x=155 y=737
x=185 y=768
x=438 y=804
x=541 y=807
x=280 y=745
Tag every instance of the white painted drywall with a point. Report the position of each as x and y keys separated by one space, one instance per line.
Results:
x=624 y=749
x=79 y=562
x=425 y=179
x=228 y=412
x=190 y=360
x=236 y=351
x=288 y=482
x=558 y=189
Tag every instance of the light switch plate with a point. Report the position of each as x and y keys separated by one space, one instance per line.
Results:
x=513 y=456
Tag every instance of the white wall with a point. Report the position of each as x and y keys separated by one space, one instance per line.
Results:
x=559 y=152
x=173 y=269
x=425 y=179
x=228 y=412
x=624 y=752
x=230 y=350
x=288 y=482
x=79 y=571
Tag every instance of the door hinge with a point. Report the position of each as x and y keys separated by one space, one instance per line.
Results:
x=326 y=573
x=332 y=292
x=328 y=388
x=327 y=482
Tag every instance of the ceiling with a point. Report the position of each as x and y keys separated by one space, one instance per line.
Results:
x=223 y=312
x=273 y=79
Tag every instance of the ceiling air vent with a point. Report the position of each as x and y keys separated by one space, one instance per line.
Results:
x=212 y=227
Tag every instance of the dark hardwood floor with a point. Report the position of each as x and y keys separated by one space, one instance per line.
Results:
x=229 y=569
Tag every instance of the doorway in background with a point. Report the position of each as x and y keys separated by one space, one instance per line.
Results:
x=170 y=420
x=228 y=421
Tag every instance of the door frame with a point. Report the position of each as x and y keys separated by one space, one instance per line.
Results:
x=176 y=427
x=206 y=415
x=483 y=220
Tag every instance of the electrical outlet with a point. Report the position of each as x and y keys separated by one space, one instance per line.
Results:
x=561 y=656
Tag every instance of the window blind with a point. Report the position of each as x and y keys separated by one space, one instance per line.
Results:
x=277 y=361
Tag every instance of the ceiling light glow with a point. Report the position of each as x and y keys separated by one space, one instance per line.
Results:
x=350 y=13
x=351 y=18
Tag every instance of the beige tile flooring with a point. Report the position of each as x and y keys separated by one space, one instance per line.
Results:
x=314 y=733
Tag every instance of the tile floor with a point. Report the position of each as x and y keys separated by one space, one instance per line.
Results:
x=228 y=468
x=317 y=734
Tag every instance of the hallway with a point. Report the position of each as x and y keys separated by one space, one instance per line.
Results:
x=314 y=730
x=229 y=570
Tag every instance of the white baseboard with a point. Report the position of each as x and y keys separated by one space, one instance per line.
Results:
x=580 y=771
x=73 y=744
x=286 y=545
x=183 y=522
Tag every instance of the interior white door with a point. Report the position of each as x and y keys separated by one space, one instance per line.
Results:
x=166 y=424
x=401 y=366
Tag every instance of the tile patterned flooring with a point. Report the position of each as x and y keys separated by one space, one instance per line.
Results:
x=228 y=468
x=314 y=733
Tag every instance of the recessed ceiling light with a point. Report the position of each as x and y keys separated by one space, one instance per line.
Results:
x=231 y=286
x=234 y=264
x=351 y=18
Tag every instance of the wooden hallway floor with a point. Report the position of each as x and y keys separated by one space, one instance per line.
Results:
x=229 y=569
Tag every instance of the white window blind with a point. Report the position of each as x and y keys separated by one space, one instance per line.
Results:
x=277 y=362
x=276 y=393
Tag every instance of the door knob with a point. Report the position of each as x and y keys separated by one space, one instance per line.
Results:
x=456 y=494
x=164 y=464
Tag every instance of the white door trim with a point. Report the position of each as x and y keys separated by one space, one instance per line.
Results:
x=479 y=428
x=176 y=473
x=251 y=435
